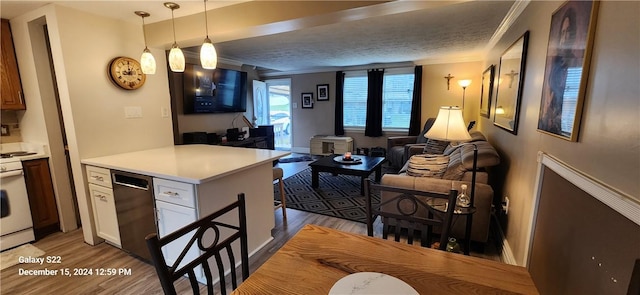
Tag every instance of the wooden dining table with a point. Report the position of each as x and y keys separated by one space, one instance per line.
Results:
x=317 y=257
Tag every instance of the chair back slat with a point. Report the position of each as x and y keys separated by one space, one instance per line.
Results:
x=194 y=283
x=408 y=203
x=196 y=231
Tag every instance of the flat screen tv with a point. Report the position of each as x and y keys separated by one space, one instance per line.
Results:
x=214 y=91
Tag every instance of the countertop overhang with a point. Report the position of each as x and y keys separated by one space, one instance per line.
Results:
x=196 y=164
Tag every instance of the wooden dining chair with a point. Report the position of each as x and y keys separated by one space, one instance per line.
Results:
x=278 y=173
x=408 y=203
x=205 y=234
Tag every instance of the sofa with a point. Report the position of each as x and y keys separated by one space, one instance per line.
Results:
x=400 y=148
x=458 y=172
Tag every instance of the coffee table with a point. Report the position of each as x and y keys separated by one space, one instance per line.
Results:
x=364 y=168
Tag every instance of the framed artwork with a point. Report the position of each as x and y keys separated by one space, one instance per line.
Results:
x=566 y=68
x=510 y=82
x=307 y=100
x=486 y=91
x=323 y=92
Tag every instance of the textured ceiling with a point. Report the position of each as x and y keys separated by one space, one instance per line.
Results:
x=449 y=32
x=453 y=32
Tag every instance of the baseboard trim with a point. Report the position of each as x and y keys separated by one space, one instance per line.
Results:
x=506 y=255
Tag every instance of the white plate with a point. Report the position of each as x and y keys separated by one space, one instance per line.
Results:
x=371 y=283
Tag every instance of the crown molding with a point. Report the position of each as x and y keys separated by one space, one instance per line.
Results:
x=516 y=9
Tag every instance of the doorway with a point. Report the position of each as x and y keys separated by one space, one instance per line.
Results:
x=278 y=111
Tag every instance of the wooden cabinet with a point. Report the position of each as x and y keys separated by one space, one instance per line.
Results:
x=44 y=211
x=11 y=96
x=103 y=204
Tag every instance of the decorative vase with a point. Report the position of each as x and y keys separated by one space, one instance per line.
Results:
x=463 y=199
x=452 y=246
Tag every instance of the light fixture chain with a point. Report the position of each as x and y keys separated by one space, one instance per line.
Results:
x=144 y=33
x=173 y=23
x=206 y=19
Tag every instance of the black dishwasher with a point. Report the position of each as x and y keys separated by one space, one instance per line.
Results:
x=133 y=194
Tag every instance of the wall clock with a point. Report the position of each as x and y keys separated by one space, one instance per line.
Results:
x=126 y=73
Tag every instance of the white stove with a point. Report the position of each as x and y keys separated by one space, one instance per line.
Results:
x=16 y=226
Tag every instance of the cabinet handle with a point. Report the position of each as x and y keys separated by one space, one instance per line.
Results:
x=102 y=197
x=172 y=194
x=98 y=178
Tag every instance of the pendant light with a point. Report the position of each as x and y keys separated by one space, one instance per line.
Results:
x=147 y=62
x=208 y=55
x=176 y=57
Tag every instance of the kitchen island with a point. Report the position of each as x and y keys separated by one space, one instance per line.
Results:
x=189 y=182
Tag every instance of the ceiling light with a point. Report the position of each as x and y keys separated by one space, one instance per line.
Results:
x=176 y=57
x=208 y=55
x=147 y=62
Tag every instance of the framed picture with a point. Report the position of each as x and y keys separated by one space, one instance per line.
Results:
x=486 y=91
x=566 y=69
x=307 y=100
x=323 y=92
x=510 y=81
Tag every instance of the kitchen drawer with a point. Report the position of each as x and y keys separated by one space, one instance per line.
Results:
x=174 y=192
x=99 y=176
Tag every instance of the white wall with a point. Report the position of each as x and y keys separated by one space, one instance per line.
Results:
x=82 y=45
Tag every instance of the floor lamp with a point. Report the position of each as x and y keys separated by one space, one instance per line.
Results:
x=450 y=126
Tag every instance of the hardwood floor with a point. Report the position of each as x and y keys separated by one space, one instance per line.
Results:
x=75 y=254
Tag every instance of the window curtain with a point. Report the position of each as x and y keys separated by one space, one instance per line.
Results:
x=416 y=102
x=339 y=114
x=373 y=126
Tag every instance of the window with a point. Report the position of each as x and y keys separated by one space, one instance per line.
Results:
x=570 y=99
x=397 y=95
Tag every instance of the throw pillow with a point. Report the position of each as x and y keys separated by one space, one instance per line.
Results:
x=435 y=146
x=427 y=165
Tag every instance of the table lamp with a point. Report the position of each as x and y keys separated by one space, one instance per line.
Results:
x=450 y=126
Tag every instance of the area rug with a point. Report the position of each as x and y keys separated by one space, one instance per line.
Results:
x=337 y=196
x=10 y=257
x=295 y=159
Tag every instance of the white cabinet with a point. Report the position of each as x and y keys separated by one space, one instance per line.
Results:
x=175 y=208
x=327 y=145
x=103 y=204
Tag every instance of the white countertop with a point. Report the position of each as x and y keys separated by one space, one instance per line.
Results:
x=196 y=163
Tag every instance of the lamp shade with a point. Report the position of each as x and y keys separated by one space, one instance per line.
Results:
x=449 y=126
x=147 y=62
x=208 y=55
x=464 y=83
x=176 y=59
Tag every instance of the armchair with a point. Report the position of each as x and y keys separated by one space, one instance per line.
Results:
x=401 y=148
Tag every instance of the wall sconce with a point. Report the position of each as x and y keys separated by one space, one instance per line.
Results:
x=448 y=77
x=208 y=55
x=464 y=84
x=176 y=57
x=147 y=62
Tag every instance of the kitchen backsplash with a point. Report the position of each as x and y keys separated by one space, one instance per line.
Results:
x=10 y=127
